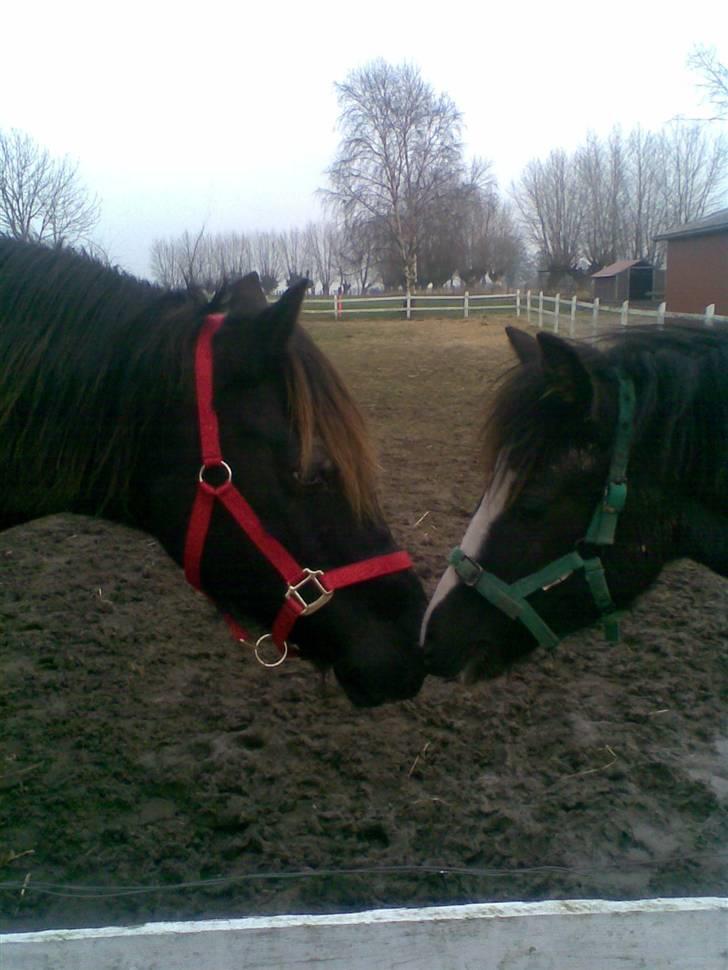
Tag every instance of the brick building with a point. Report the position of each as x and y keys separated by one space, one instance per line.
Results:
x=697 y=265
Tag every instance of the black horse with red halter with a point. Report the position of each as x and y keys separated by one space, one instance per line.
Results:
x=96 y=378
x=307 y=590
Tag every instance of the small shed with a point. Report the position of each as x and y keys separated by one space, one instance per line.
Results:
x=627 y=279
x=697 y=264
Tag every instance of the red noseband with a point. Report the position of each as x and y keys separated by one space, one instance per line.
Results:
x=307 y=589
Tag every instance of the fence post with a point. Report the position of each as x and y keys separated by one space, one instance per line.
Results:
x=709 y=314
x=624 y=316
x=528 y=305
x=336 y=307
x=595 y=313
x=540 y=308
x=409 y=305
x=518 y=303
x=661 y=315
x=557 y=304
x=466 y=306
x=572 y=318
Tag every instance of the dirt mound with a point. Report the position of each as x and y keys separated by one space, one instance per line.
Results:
x=150 y=769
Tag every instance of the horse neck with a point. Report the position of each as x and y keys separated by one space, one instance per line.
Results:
x=682 y=448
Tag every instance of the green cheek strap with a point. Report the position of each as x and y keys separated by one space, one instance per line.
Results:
x=511 y=599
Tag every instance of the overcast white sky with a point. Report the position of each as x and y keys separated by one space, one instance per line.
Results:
x=224 y=114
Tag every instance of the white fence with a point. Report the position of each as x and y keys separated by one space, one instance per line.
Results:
x=566 y=314
x=408 y=305
x=575 y=316
x=575 y=934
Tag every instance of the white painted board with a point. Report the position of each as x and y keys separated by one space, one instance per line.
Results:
x=656 y=934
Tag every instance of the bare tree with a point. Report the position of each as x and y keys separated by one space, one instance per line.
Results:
x=183 y=262
x=695 y=168
x=610 y=198
x=399 y=155
x=266 y=258
x=322 y=249
x=476 y=215
x=42 y=198
x=714 y=74
x=550 y=201
x=645 y=207
x=505 y=250
x=358 y=252
x=229 y=256
x=164 y=264
x=200 y=261
x=602 y=168
x=293 y=255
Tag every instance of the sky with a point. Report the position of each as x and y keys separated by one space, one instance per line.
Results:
x=224 y=115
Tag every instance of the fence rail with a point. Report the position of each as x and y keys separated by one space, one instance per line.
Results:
x=579 y=317
x=462 y=304
x=574 y=934
x=570 y=315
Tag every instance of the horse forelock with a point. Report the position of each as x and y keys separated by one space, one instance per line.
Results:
x=681 y=407
x=322 y=408
x=511 y=432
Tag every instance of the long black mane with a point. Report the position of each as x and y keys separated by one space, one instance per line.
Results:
x=91 y=356
x=88 y=354
x=680 y=374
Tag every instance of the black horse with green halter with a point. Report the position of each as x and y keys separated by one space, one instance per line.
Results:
x=511 y=598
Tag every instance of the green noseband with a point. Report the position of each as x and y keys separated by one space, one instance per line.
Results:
x=511 y=598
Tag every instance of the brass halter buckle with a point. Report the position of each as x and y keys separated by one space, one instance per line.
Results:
x=323 y=595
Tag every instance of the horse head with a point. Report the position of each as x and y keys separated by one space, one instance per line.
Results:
x=598 y=471
x=293 y=535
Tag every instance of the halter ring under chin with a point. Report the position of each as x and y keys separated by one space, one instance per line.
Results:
x=282 y=650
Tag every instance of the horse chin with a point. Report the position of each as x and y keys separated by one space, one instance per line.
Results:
x=469 y=662
x=368 y=692
x=484 y=663
x=379 y=673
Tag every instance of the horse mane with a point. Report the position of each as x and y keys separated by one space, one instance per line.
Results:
x=86 y=359
x=90 y=356
x=681 y=408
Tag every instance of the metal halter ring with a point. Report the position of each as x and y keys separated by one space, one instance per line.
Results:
x=267 y=663
x=218 y=464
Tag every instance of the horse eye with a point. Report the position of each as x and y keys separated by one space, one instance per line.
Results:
x=312 y=477
x=319 y=473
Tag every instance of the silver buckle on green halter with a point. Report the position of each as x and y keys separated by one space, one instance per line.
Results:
x=511 y=599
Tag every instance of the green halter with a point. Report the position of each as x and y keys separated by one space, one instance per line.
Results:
x=511 y=599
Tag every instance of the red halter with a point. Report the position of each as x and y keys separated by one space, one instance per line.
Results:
x=307 y=589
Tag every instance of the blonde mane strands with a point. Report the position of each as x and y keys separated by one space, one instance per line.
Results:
x=322 y=407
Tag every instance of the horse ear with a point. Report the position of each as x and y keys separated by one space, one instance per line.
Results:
x=252 y=340
x=524 y=345
x=564 y=370
x=245 y=296
x=275 y=324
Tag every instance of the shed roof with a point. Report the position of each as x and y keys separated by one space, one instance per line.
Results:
x=619 y=267
x=715 y=222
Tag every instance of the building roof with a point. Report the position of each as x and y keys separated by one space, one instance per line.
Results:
x=715 y=222
x=619 y=267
